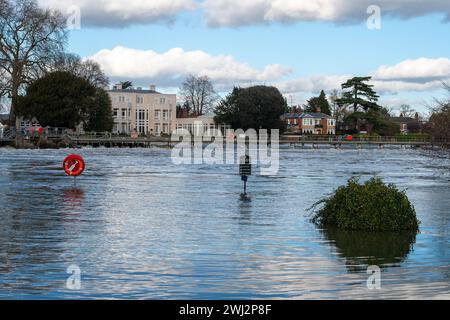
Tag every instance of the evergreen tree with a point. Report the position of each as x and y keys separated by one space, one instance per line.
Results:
x=61 y=99
x=318 y=103
x=99 y=113
x=359 y=94
x=127 y=85
x=255 y=107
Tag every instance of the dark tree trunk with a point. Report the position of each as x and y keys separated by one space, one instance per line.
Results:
x=14 y=98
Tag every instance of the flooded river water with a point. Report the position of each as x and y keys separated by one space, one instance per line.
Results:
x=137 y=226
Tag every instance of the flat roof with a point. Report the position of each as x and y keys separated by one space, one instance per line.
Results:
x=142 y=91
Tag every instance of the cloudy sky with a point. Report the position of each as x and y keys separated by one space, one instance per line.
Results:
x=301 y=46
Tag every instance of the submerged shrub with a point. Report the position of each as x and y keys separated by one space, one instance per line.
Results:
x=372 y=206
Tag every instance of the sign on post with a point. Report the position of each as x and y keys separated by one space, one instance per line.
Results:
x=74 y=165
x=245 y=167
x=245 y=170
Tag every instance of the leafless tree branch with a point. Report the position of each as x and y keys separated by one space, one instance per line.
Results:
x=30 y=39
x=198 y=94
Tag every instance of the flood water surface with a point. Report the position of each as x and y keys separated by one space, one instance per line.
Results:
x=137 y=226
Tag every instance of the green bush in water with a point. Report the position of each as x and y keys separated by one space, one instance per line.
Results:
x=372 y=206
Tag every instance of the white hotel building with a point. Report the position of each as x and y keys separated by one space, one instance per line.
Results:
x=143 y=111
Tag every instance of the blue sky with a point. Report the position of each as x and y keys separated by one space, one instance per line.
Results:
x=307 y=54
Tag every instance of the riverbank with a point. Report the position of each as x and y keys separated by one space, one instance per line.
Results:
x=317 y=142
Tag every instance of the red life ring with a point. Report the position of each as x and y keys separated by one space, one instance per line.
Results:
x=349 y=138
x=74 y=165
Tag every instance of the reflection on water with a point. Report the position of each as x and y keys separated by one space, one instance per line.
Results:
x=363 y=249
x=73 y=200
x=139 y=226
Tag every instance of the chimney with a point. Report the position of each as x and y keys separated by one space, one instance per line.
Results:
x=416 y=116
x=118 y=86
x=152 y=88
x=318 y=110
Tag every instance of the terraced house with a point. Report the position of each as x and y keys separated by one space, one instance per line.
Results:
x=146 y=112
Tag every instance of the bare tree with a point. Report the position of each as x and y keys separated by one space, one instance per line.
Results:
x=86 y=69
x=30 y=39
x=199 y=94
x=69 y=62
x=439 y=121
x=2 y=107
x=4 y=83
x=407 y=111
x=443 y=102
x=339 y=110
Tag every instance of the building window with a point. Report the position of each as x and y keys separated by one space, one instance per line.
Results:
x=157 y=114
x=165 y=115
x=140 y=100
x=142 y=121
x=162 y=101
x=115 y=111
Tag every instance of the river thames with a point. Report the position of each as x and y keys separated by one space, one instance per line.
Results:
x=140 y=227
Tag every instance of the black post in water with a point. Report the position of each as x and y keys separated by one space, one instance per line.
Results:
x=245 y=170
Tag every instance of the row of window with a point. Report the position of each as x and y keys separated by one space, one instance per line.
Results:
x=165 y=114
x=141 y=129
x=311 y=122
x=142 y=113
x=190 y=127
x=125 y=113
x=139 y=100
x=306 y=131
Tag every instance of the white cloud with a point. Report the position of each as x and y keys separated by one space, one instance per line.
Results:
x=420 y=70
x=119 y=13
x=247 y=12
x=168 y=69
x=312 y=83
x=423 y=74
x=398 y=86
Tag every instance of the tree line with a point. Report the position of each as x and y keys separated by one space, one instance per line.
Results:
x=40 y=78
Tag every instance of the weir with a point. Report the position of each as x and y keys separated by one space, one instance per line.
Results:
x=109 y=140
